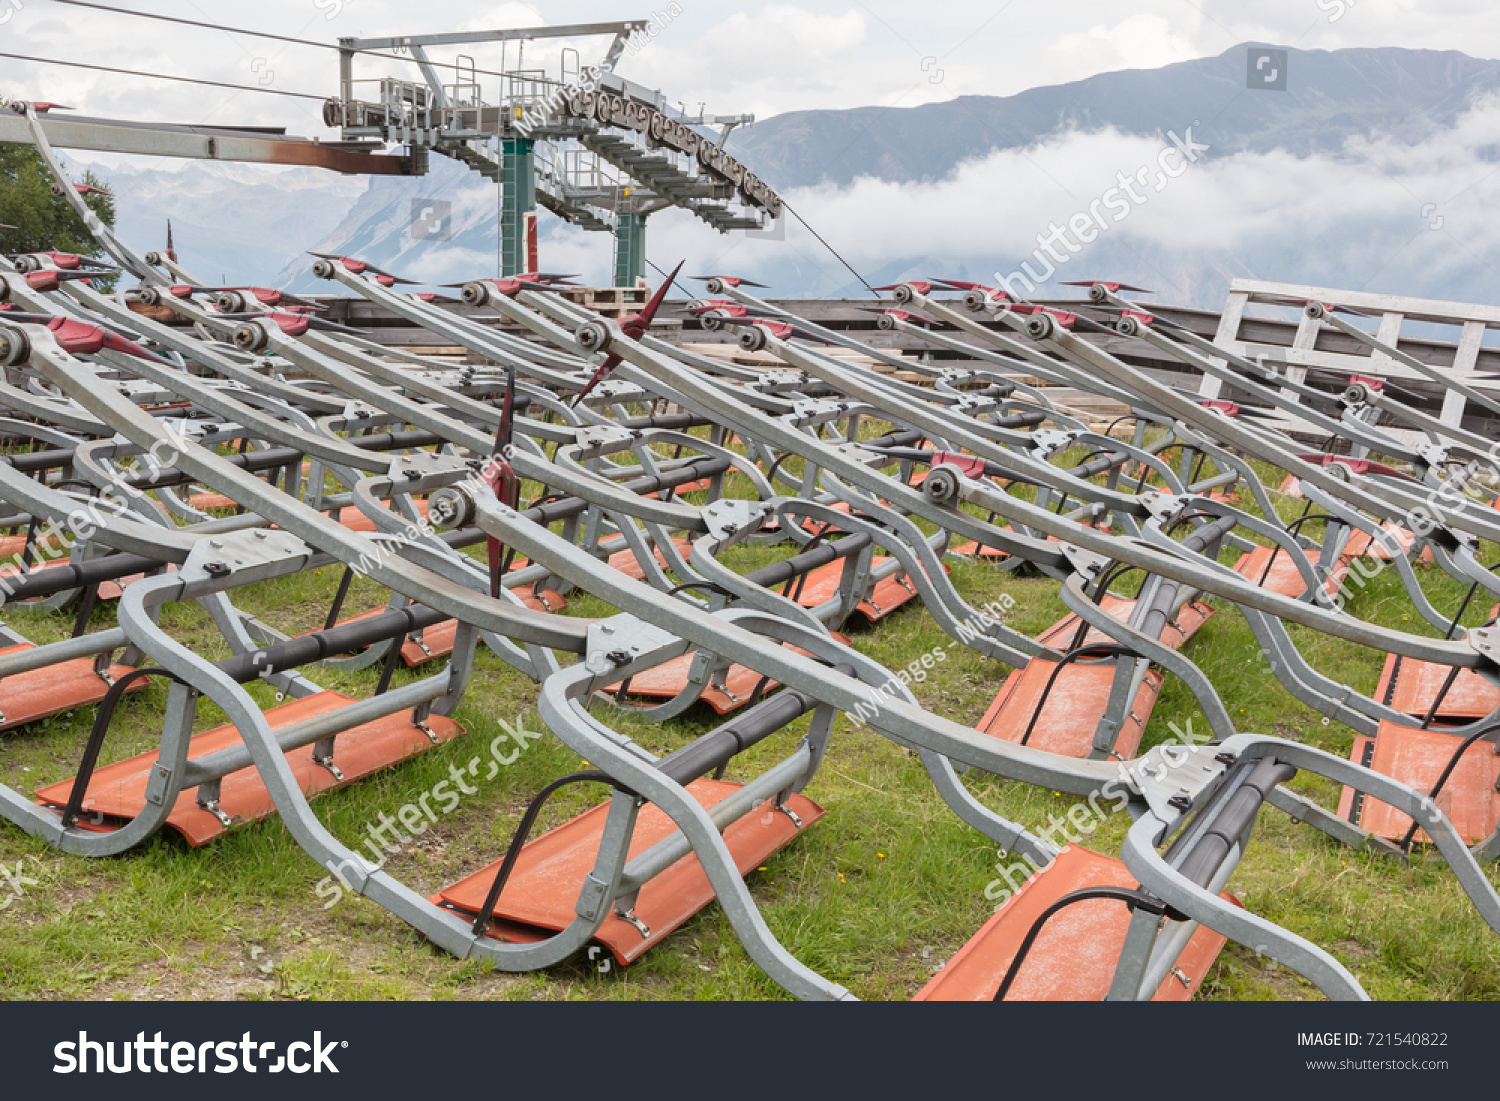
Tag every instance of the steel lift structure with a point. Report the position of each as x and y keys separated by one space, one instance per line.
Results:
x=593 y=147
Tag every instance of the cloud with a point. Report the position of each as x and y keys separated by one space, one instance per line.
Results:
x=1140 y=41
x=777 y=59
x=1355 y=219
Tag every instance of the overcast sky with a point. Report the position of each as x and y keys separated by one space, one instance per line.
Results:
x=763 y=58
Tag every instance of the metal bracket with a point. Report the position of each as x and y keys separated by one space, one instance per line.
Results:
x=622 y=640
x=208 y=798
x=1048 y=441
x=323 y=755
x=593 y=898
x=1162 y=506
x=812 y=409
x=423 y=471
x=618 y=390
x=862 y=455
x=157 y=784
x=640 y=926
x=1486 y=640
x=254 y=555
x=1172 y=784
x=776 y=380
x=1086 y=562
x=356 y=410
x=601 y=439
x=101 y=668
x=729 y=519
x=1434 y=455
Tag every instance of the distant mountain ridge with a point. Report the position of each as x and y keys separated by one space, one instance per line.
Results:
x=1331 y=96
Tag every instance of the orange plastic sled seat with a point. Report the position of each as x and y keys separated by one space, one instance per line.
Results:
x=41 y=693
x=1061 y=634
x=1070 y=714
x=12 y=545
x=1412 y=686
x=625 y=560
x=355 y=520
x=1418 y=758
x=1077 y=694
x=822 y=584
x=118 y=791
x=542 y=892
x=972 y=549
x=1074 y=956
x=1362 y=544
x=1284 y=577
x=432 y=643
x=206 y=502
x=682 y=490
x=729 y=691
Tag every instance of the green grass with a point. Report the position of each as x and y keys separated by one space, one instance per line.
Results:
x=884 y=889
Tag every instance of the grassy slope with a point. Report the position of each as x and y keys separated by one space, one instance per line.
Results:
x=876 y=896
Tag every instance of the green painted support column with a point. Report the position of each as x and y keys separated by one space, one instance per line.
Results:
x=630 y=249
x=517 y=204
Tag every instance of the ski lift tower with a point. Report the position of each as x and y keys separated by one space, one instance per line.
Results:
x=596 y=149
